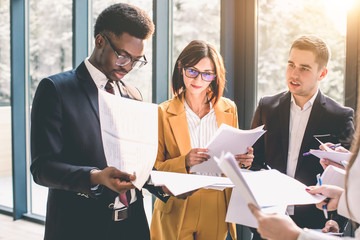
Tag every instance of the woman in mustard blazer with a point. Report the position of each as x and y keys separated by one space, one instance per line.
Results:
x=186 y=124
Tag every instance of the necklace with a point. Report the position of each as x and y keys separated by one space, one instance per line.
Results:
x=204 y=106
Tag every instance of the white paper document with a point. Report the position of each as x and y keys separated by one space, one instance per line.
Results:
x=227 y=139
x=333 y=176
x=179 y=183
x=338 y=157
x=269 y=190
x=129 y=132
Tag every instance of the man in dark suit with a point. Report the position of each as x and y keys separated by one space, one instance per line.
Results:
x=292 y=120
x=66 y=145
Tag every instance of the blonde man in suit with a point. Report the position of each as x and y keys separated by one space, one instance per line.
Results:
x=186 y=124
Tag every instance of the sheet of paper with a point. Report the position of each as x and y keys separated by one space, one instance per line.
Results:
x=239 y=212
x=228 y=139
x=129 y=132
x=229 y=166
x=269 y=189
x=338 y=157
x=179 y=183
x=334 y=176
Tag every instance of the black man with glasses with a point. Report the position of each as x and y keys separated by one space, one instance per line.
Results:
x=66 y=144
x=186 y=124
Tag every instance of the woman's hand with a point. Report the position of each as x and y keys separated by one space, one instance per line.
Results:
x=245 y=160
x=196 y=156
x=332 y=194
x=275 y=226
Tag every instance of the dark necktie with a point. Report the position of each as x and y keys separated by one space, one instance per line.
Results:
x=125 y=198
x=109 y=87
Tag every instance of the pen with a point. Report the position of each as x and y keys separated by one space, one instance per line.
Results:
x=324 y=206
x=331 y=146
x=335 y=145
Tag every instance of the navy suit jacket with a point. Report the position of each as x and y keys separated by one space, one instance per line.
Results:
x=326 y=117
x=66 y=145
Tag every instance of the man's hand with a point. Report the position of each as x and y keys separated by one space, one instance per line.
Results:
x=245 y=160
x=196 y=156
x=112 y=178
x=324 y=162
x=181 y=196
x=331 y=226
x=275 y=226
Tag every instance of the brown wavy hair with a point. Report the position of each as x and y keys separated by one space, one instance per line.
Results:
x=189 y=57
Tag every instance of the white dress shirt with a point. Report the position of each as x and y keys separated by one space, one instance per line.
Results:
x=201 y=129
x=100 y=81
x=298 y=121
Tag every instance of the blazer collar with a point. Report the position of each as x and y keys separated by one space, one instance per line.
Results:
x=178 y=124
x=89 y=87
x=223 y=114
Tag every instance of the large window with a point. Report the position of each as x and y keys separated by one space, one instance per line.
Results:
x=50 y=52
x=280 y=22
x=195 y=20
x=5 y=109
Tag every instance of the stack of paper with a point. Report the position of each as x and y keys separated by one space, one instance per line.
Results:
x=269 y=190
x=227 y=139
x=338 y=157
x=179 y=183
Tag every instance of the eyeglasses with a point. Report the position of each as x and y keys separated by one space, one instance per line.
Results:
x=192 y=73
x=125 y=60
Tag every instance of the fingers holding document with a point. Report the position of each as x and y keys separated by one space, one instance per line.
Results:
x=332 y=194
x=275 y=226
x=112 y=178
x=196 y=156
x=245 y=160
x=324 y=162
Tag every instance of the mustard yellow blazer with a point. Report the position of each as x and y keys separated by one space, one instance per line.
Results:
x=174 y=144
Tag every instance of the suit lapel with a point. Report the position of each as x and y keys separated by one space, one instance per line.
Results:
x=284 y=118
x=314 y=121
x=89 y=87
x=222 y=114
x=178 y=124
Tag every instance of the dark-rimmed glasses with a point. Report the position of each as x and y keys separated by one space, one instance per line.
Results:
x=125 y=60
x=192 y=73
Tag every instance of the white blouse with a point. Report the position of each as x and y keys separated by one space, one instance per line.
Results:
x=201 y=129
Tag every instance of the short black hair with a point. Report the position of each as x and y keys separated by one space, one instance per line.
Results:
x=122 y=17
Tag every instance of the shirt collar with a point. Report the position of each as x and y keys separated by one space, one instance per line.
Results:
x=308 y=103
x=98 y=77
